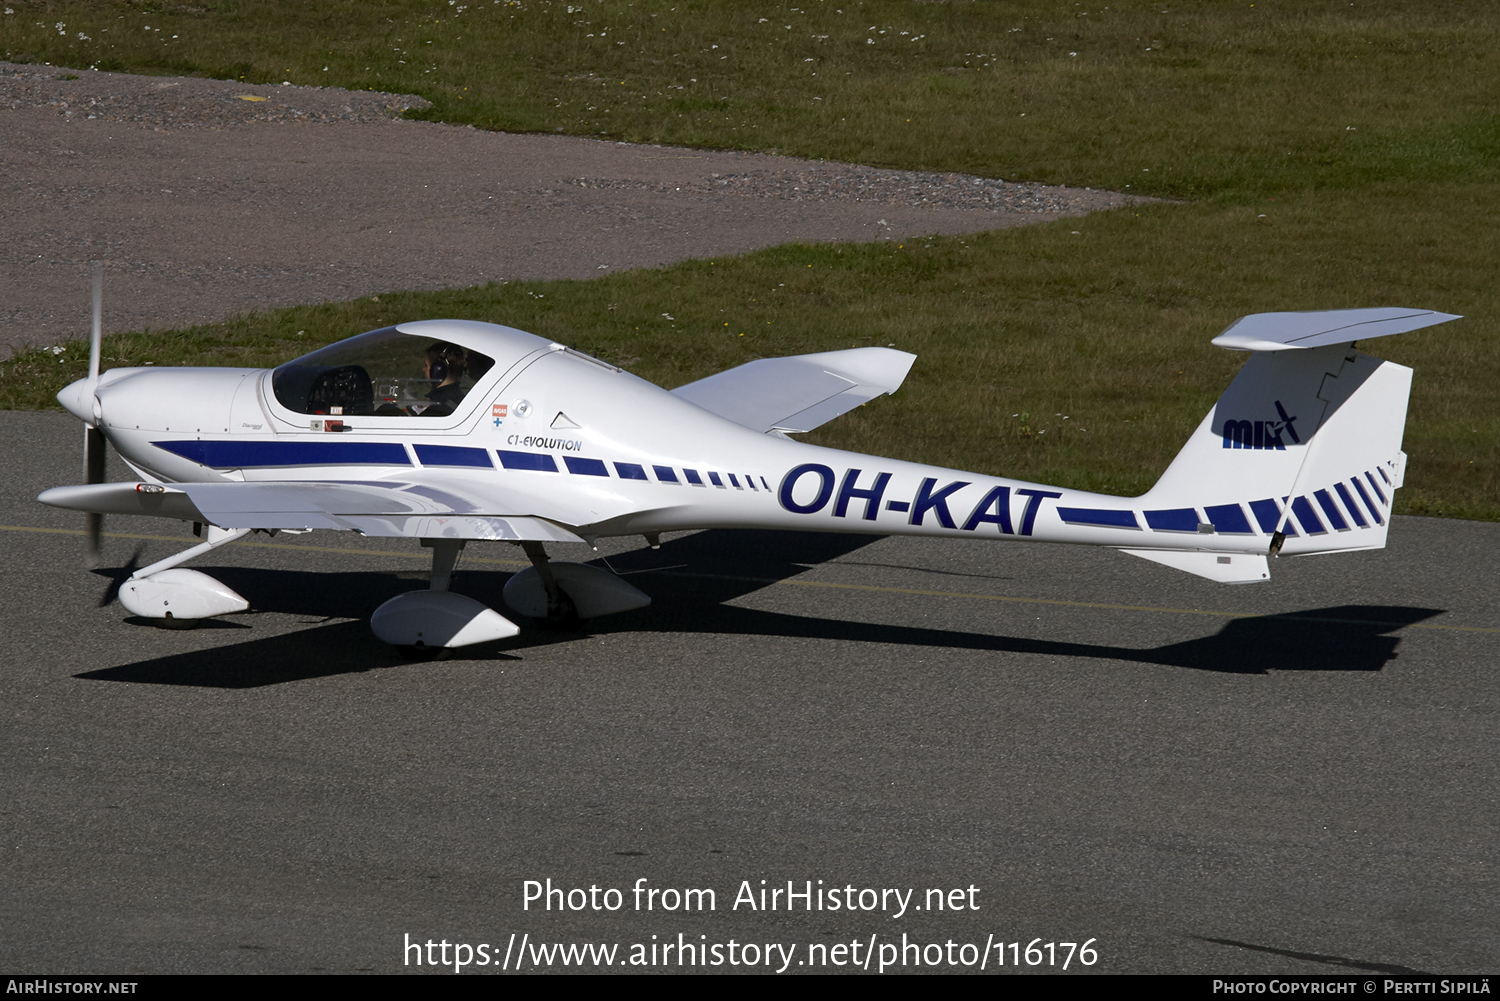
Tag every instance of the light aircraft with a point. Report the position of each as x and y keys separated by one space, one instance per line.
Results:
x=456 y=431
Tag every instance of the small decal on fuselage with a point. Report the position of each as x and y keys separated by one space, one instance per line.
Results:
x=537 y=441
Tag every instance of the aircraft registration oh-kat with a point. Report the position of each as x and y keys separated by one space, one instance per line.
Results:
x=454 y=431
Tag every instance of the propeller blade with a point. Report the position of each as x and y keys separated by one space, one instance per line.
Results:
x=96 y=334
x=94 y=442
x=93 y=455
x=93 y=472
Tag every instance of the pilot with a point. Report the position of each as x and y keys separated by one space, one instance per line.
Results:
x=445 y=364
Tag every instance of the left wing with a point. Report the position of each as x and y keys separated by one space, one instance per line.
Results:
x=800 y=392
x=410 y=510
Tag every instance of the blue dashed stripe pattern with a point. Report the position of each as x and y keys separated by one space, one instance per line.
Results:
x=577 y=465
x=1360 y=500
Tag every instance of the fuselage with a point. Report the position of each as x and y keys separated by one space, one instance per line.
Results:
x=550 y=433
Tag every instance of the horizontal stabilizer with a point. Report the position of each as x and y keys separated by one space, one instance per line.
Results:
x=800 y=392
x=1236 y=569
x=1285 y=331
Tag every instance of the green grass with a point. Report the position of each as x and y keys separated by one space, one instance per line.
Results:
x=1326 y=155
x=1207 y=99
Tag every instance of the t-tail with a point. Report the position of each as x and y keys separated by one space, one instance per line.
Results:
x=1303 y=449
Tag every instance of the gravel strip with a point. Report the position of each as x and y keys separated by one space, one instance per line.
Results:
x=870 y=185
x=207 y=198
x=189 y=102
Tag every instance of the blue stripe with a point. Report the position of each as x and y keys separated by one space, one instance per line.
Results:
x=665 y=474
x=1268 y=513
x=1229 y=518
x=1182 y=519
x=1329 y=508
x=245 y=454
x=1382 y=475
x=1094 y=516
x=453 y=455
x=1308 y=517
x=735 y=480
x=751 y=480
x=693 y=477
x=715 y=478
x=630 y=470
x=537 y=461
x=585 y=467
x=1366 y=498
x=1353 y=507
x=1376 y=487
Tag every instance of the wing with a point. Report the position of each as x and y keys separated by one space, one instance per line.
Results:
x=801 y=392
x=411 y=510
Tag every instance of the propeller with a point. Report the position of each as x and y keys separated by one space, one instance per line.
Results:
x=93 y=439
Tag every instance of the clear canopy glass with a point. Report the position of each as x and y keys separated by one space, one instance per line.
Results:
x=384 y=373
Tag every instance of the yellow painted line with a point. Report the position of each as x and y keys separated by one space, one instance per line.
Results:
x=923 y=592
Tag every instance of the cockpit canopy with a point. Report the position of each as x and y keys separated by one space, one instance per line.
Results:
x=385 y=373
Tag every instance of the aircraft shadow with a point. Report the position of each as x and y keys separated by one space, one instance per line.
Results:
x=1342 y=638
x=690 y=590
x=1318 y=957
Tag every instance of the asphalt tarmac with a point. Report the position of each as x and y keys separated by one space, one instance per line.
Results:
x=1295 y=777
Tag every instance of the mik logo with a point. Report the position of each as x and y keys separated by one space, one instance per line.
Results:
x=1262 y=434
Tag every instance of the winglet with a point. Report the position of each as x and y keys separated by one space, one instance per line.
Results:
x=1285 y=331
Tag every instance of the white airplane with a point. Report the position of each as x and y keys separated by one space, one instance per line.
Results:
x=454 y=431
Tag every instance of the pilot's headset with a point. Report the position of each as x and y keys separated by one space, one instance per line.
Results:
x=443 y=358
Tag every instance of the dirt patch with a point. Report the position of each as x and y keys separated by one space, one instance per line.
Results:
x=208 y=198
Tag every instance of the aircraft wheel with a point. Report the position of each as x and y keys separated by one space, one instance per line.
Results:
x=171 y=622
x=564 y=618
x=422 y=653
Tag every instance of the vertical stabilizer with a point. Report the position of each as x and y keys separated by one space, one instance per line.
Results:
x=1302 y=453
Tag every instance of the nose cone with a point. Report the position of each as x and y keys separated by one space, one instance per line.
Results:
x=77 y=399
